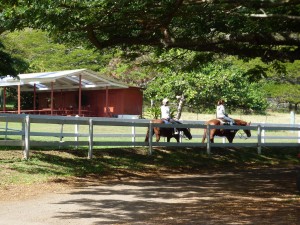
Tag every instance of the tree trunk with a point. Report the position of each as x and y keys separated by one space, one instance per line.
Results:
x=180 y=106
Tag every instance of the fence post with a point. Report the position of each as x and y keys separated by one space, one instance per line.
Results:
x=208 y=139
x=298 y=135
x=259 y=139
x=263 y=134
x=76 y=133
x=26 y=137
x=61 y=134
x=6 y=128
x=133 y=135
x=150 y=138
x=91 y=138
x=223 y=140
x=23 y=133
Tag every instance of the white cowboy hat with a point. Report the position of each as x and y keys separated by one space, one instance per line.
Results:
x=165 y=100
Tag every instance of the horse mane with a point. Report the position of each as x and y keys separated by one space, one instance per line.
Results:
x=240 y=122
x=157 y=121
x=217 y=122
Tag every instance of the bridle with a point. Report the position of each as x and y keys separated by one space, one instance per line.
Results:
x=242 y=134
x=182 y=135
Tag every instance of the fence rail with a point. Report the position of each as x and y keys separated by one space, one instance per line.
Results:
x=27 y=134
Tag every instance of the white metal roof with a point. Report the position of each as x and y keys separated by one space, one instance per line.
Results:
x=67 y=79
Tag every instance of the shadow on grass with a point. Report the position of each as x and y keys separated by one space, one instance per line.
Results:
x=137 y=162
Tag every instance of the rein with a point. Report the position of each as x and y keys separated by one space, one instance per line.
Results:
x=242 y=135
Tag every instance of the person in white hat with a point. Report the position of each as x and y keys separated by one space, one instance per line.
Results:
x=165 y=110
x=165 y=113
x=221 y=113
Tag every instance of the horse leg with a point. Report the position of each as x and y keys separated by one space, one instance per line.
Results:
x=147 y=136
x=230 y=137
x=212 y=135
x=157 y=137
x=157 y=134
x=204 y=136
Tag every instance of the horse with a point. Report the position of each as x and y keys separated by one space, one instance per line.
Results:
x=229 y=134
x=167 y=132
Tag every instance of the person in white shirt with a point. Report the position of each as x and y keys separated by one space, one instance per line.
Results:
x=165 y=110
x=221 y=114
x=165 y=113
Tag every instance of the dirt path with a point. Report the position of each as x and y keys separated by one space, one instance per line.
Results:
x=258 y=196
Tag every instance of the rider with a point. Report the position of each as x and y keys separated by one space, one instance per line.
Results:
x=165 y=113
x=221 y=113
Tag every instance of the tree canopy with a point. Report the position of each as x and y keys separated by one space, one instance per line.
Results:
x=269 y=29
x=211 y=82
x=42 y=54
x=10 y=65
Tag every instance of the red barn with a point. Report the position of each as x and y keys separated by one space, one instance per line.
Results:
x=76 y=92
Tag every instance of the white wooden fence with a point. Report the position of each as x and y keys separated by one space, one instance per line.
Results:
x=27 y=135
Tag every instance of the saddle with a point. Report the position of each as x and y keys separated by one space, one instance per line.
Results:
x=166 y=121
x=226 y=123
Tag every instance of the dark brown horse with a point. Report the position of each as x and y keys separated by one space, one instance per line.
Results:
x=167 y=132
x=229 y=134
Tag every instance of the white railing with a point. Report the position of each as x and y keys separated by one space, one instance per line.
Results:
x=94 y=129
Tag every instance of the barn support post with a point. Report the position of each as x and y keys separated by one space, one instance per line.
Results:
x=34 y=96
x=4 y=99
x=107 y=110
x=91 y=138
x=259 y=139
x=19 y=99
x=52 y=100
x=27 y=137
x=79 y=96
x=208 y=147
x=150 y=137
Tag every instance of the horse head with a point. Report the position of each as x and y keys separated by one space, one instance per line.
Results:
x=187 y=133
x=248 y=132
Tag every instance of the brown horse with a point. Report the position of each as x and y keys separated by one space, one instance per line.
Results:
x=167 y=132
x=229 y=134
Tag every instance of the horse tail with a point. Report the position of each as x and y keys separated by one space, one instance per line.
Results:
x=147 y=135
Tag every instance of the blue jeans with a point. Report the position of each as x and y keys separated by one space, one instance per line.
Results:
x=231 y=121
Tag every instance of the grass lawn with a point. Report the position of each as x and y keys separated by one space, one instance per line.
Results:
x=270 y=117
x=49 y=164
x=45 y=165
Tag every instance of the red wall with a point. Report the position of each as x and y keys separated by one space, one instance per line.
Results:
x=120 y=101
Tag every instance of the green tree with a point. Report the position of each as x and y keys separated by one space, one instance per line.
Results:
x=10 y=65
x=252 y=28
x=204 y=87
x=42 y=54
x=283 y=83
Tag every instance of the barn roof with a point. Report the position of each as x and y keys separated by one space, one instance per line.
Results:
x=67 y=79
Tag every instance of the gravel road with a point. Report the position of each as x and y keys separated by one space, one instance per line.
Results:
x=256 y=196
